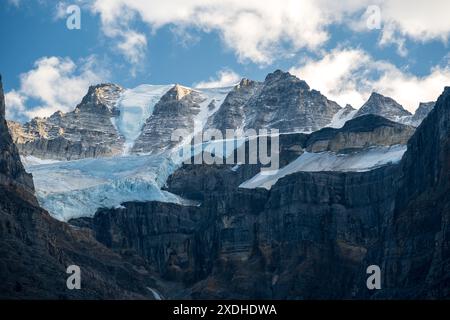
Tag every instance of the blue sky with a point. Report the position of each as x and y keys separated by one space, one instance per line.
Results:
x=337 y=55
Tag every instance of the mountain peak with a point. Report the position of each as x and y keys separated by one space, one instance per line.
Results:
x=178 y=91
x=245 y=83
x=381 y=105
x=101 y=95
x=349 y=107
x=281 y=76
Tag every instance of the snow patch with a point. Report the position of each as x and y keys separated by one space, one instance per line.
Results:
x=329 y=161
x=339 y=119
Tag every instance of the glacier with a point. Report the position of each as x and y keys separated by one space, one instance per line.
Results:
x=72 y=189
x=77 y=188
x=136 y=106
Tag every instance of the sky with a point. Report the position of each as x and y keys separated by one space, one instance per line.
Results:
x=345 y=49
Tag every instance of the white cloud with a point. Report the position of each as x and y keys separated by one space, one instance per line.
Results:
x=262 y=31
x=55 y=83
x=255 y=30
x=133 y=46
x=350 y=75
x=224 y=78
x=419 y=19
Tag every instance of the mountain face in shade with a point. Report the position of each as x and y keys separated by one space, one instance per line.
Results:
x=12 y=173
x=383 y=106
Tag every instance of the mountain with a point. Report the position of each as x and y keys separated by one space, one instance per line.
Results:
x=117 y=146
x=312 y=235
x=421 y=112
x=36 y=249
x=281 y=102
x=85 y=132
x=383 y=106
x=342 y=116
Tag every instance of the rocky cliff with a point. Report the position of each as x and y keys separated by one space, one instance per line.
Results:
x=35 y=249
x=422 y=112
x=312 y=235
x=12 y=173
x=359 y=133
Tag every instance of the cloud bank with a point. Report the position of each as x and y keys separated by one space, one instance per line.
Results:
x=262 y=31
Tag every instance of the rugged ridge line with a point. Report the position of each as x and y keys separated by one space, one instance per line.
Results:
x=311 y=236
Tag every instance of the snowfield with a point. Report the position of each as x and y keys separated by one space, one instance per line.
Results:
x=366 y=160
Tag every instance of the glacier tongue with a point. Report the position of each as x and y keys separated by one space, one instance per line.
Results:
x=135 y=106
x=72 y=189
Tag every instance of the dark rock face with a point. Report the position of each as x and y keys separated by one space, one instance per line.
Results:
x=86 y=132
x=415 y=252
x=383 y=106
x=35 y=249
x=311 y=236
x=12 y=173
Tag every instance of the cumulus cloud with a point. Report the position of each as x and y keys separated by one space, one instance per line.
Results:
x=224 y=78
x=53 y=84
x=255 y=30
x=133 y=46
x=261 y=31
x=350 y=75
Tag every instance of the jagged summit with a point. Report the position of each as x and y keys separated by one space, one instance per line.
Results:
x=102 y=97
x=178 y=92
x=383 y=106
x=281 y=102
x=421 y=112
x=279 y=75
